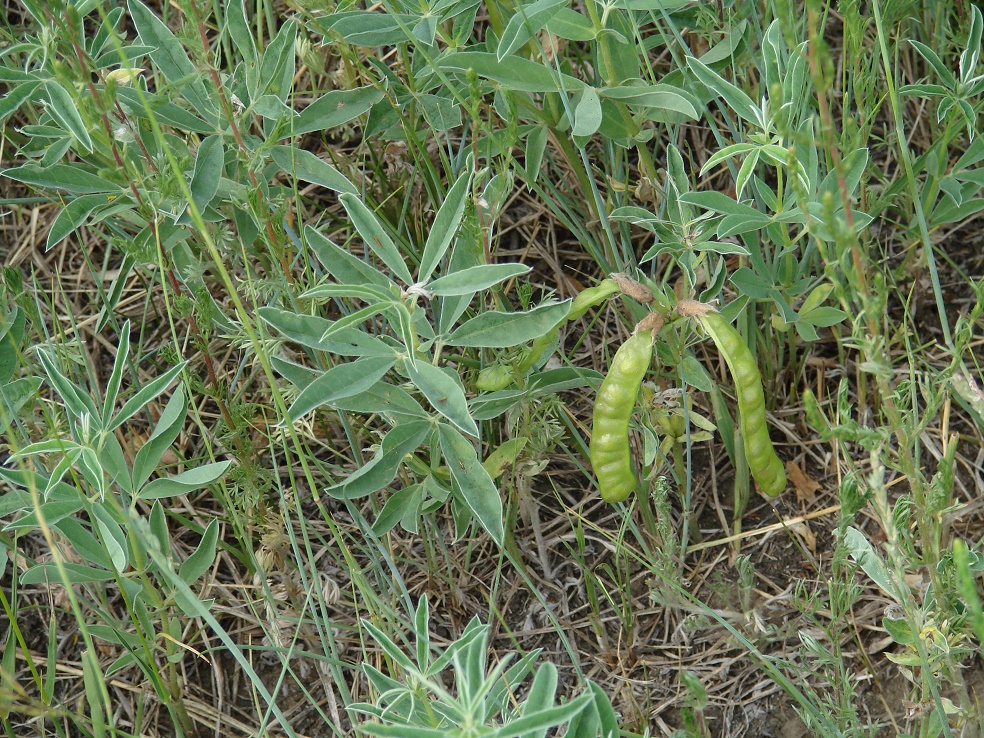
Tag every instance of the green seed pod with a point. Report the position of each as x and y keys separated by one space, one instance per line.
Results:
x=592 y=297
x=611 y=457
x=492 y=378
x=763 y=463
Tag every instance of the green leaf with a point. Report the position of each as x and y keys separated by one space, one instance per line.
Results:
x=72 y=179
x=693 y=373
x=945 y=75
x=76 y=400
x=444 y=392
x=513 y=72
x=74 y=574
x=277 y=65
x=167 y=429
x=116 y=376
x=542 y=691
x=539 y=721
x=387 y=399
x=823 y=317
x=527 y=21
x=864 y=553
x=336 y=108
x=309 y=330
x=84 y=543
x=237 y=25
x=749 y=283
x=719 y=203
x=570 y=24
x=369 y=28
x=187 y=481
x=163 y=110
x=111 y=537
x=441 y=113
x=11 y=335
x=445 y=226
x=380 y=471
x=13 y=396
x=660 y=97
x=208 y=171
x=145 y=394
x=737 y=100
x=587 y=114
x=502 y=330
x=11 y=102
x=49 y=512
x=343 y=380
x=971 y=55
x=474 y=279
x=342 y=265
x=204 y=556
x=64 y=109
x=536 y=145
x=474 y=483
x=72 y=216
x=170 y=57
x=401 y=503
x=307 y=167
x=375 y=237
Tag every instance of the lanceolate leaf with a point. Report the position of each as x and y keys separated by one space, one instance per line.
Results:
x=444 y=393
x=340 y=381
x=201 y=560
x=307 y=167
x=187 y=481
x=336 y=108
x=380 y=471
x=167 y=429
x=472 y=280
x=145 y=394
x=445 y=226
x=502 y=330
x=64 y=109
x=61 y=177
x=170 y=57
x=474 y=483
x=737 y=100
x=375 y=236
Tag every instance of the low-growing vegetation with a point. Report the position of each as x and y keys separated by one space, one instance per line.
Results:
x=491 y=368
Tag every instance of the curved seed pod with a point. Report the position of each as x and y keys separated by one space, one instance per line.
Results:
x=611 y=457
x=592 y=297
x=763 y=463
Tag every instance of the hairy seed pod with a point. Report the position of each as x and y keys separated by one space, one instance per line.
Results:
x=611 y=457
x=636 y=290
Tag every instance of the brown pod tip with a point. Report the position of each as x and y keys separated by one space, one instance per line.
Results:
x=636 y=290
x=652 y=322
